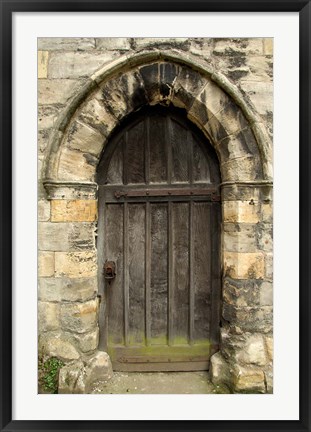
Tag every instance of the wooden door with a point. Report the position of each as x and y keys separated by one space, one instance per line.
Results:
x=159 y=223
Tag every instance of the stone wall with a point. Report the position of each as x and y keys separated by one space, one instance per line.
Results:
x=71 y=72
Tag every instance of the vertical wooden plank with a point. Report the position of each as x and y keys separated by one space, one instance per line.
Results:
x=125 y=161
x=115 y=168
x=178 y=137
x=202 y=270
x=168 y=142
x=148 y=274
x=158 y=149
x=126 y=273
x=191 y=266
x=159 y=273
x=179 y=290
x=200 y=166
x=136 y=268
x=170 y=274
x=114 y=290
x=190 y=155
x=147 y=148
x=135 y=154
x=215 y=275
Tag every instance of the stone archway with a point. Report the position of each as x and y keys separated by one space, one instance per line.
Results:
x=242 y=145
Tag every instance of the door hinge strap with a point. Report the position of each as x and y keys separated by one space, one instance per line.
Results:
x=212 y=193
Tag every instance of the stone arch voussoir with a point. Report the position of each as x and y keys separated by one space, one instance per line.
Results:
x=211 y=102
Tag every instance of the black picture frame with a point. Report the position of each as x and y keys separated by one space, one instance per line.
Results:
x=7 y=10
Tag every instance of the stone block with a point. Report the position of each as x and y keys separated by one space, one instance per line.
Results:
x=97 y=370
x=43 y=58
x=261 y=69
x=124 y=94
x=71 y=378
x=79 y=317
x=202 y=47
x=56 y=91
x=44 y=210
x=48 y=316
x=238 y=145
x=231 y=342
x=65 y=289
x=75 y=264
x=168 y=73
x=95 y=114
x=213 y=98
x=266 y=294
x=241 y=293
x=65 y=43
x=47 y=116
x=239 y=237
x=43 y=338
x=76 y=290
x=267 y=212
x=219 y=370
x=248 y=380
x=257 y=68
x=43 y=139
x=265 y=237
x=227 y=122
x=241 y=169
x=87 y=342
x=269 y=380
x=75 y=165
x=241 y=211
x=269 y=266
x=244 y=265
x=234 y=73
x=73 y=210
x=260 y=94
x=268 y=46
x=236 y=192
x=180 y=43
x=46 y=264
x=113 y=43
x=253 y=352
x=85 y=139
x=62 y=349
x=72 y=191
x=48 y=290
x=63 y=236
x=269 y=347
x=236 y=47
x=187 y=85
x=77 y=64
x=249 y=319
x=150 y=77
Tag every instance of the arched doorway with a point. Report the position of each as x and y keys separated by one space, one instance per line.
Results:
x=158 y=223
x=238 y=135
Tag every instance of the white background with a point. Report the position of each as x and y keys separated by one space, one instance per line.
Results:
x=283 y=404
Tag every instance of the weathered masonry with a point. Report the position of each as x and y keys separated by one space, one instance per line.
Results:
x=155 y=208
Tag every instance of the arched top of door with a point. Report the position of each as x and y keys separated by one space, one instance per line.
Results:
x=158 y=146
x=212 y=103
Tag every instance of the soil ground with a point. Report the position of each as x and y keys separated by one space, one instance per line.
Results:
x=159 y=383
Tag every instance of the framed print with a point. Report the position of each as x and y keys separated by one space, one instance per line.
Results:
x=155 y=215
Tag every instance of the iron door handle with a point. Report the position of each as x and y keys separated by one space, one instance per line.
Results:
x=109 y=270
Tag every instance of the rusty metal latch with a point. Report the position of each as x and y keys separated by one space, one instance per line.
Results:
x=109 y=270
